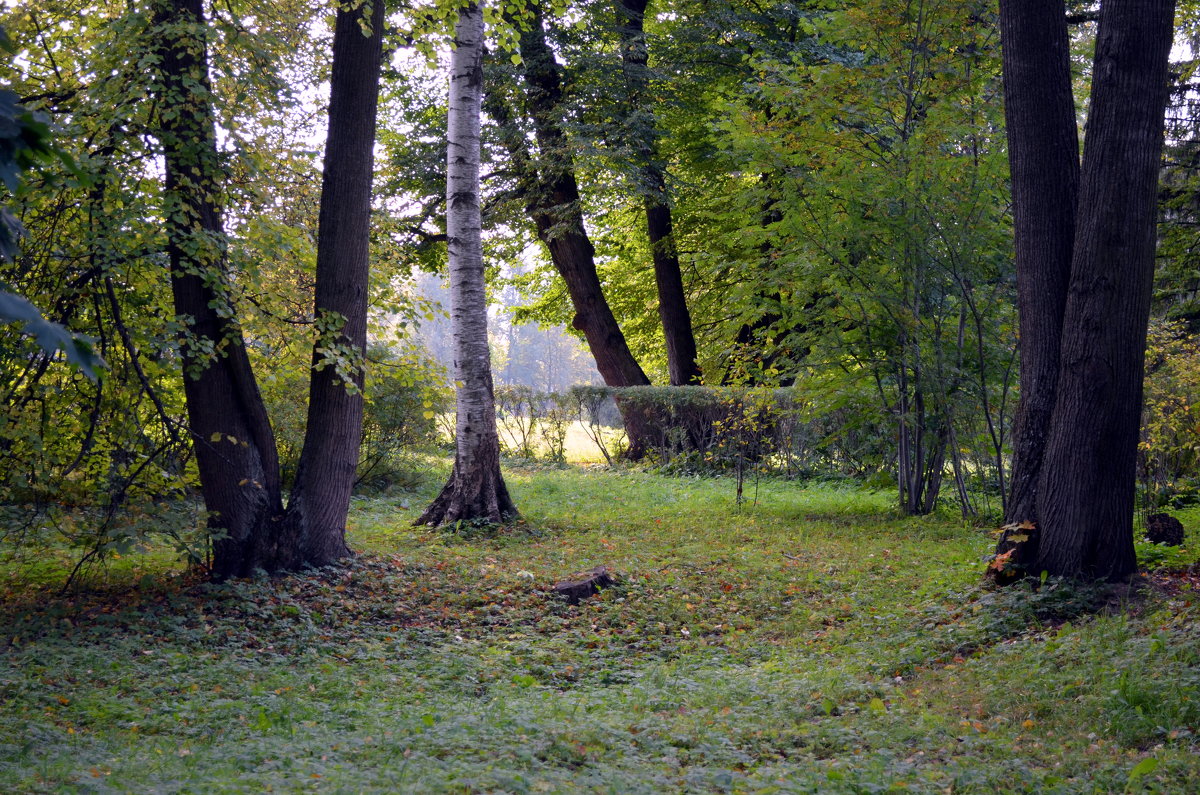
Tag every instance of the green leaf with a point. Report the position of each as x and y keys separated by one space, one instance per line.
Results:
x=1143 y=768
x=51 y=337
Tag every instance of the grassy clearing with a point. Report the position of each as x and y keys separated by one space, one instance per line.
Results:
x=814 y=642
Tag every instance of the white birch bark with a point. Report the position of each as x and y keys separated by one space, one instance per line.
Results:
x=476 y=489
x=468 y=311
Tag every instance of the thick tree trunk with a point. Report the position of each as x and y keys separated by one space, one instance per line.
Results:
x=1043 y=151
x=640 y=126
x=235 y=447
x=1086 y=485
x=476 y=489
x=320 y=498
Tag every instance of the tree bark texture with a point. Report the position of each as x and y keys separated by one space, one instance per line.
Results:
x=1086 y=483
x=476 y=488
x=641 y=129
x=320 y=498
x=235 y=446
x=1043 y=151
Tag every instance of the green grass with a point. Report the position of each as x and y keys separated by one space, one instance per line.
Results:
x=814 y=642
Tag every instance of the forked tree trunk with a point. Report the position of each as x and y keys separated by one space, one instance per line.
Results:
x=641 y=128
x=320 y=498
x=1086 y=485
x=476 y=489
x=235 y=447
x=1043 y=151
x=1076 y=441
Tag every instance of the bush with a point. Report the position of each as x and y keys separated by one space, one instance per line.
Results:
x=694 y=429
x=404 y=396
x=518 y=412
x=1169 y=451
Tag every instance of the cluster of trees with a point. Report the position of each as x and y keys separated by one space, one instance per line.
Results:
x=137 y=239
x=804 y=194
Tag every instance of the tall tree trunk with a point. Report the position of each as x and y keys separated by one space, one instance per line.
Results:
x=1086 y=485
x=1043 y=151
x=320 y=498
x=235 y=447
x=551 y=194
x=553 y=202
x=641 y=128
x=476 y=489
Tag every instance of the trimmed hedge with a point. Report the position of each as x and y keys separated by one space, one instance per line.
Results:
x=697 y=429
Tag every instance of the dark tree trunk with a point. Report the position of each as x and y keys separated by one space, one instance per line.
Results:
x=235 y=447
x=551 y=194
x=1086 y=485
x=640 y=127
x=320 y=498
x=476 y=489
x=553 y=203
x=1043 y=151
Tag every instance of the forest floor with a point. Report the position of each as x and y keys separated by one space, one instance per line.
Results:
x=814 y=642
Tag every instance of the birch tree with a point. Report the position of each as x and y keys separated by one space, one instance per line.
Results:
x=476 y=489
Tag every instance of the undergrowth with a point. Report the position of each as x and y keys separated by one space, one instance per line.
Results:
x=814 y=642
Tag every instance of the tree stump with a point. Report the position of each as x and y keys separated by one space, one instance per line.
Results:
x=1162 y=528
x=575 y=591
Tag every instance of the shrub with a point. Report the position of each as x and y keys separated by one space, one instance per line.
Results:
x=403 y=398
x=517 y=415
x=1169 y=451
x=698 y=429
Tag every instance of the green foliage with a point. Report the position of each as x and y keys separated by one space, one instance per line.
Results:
x=1169 y=450
x=403 y=398
x=50 y=337
x=517 y=419
x=780 y=431
x=1161 y=556
x=95 y=261
x=25 y=142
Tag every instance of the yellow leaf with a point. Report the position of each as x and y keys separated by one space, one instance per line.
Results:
x=216 y=437
x=232 y=439
x=243 y=481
